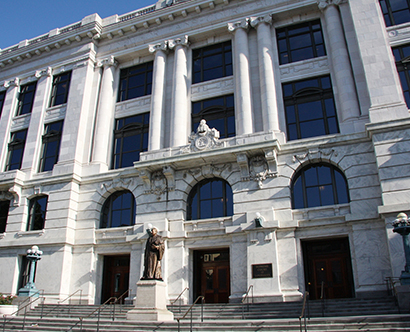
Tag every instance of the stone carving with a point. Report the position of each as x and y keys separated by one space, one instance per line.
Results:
x=324 y=3
x=259 y=170
x=315 y=154
x=158 y=182
x=204 y=139
x=154 y=251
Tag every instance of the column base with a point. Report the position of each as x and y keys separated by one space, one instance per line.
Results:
x=150 y=303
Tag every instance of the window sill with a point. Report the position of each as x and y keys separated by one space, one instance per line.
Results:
x=209 y=224
x=321 y=212
x=31 y=233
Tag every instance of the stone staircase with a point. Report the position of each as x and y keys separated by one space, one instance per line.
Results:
x=339 y=315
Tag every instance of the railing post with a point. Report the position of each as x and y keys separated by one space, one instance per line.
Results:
x=98 y=321
x=202 y=309
x=178 y=325
x=4 y=322
x=191 y=321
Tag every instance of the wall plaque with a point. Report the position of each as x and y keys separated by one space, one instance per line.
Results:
x=261 y=271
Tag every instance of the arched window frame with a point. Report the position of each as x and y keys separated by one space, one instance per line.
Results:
x=37 y=213
x=338 y=182
x=108 y=210
x=194 y=211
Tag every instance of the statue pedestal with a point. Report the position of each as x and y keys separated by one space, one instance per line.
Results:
x=150 y=304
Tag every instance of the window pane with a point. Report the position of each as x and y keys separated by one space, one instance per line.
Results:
x=326 y=195
x=313 y=196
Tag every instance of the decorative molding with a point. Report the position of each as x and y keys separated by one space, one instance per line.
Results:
x=158 y=182
x=255 y=21
x=204 y=139
x=162 y=46
x=107 y=62
x=323 y=4
x=48 y=72
x=242 y=24
x=15 y=83
x=259 y=169
x=243 y=162
x=315 y=154
x=183 y=41
x=13 y=195
x=117 y=183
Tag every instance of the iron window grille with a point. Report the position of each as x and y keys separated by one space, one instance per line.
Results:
x=212 y=62
x=402 y=57
x=135 y=81
x=210 y=198
x=219 y=113
x=395 y=11
x=319 y=185
x=300 y=42
x=16 y=150
x=26 y=98
x=310 y=108
x=60 y=89
x=51 y=146
x=37 y=213
x=130 y=139
x=118 y=210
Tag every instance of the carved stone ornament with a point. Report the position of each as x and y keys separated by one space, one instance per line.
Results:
x=44 y=72
x=15 y=82
x=204 y=139
x=315 y=154
x=324 y=3
x=259 y=170
x=12 y=195
x=158 y=182
x=107 y=62
x=243 y=24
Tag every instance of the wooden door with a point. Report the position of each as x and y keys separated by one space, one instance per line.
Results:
x=213 y=277
x=115 y=276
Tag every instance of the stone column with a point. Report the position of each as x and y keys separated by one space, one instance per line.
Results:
x=243 y=105
x=179 y=112
x=268 y=90
x=157 y=96
x=342 y=70
x=383 y=84
x=104 y=121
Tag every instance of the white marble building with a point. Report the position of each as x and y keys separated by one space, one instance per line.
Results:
x=296 y=181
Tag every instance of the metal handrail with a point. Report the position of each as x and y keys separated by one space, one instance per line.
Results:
x=322 y=297
x=245 y=297
x=59 y=303
x=81 y=319
x=202 y=298
x=392 y=290
x=120 y=298
x=70 y=296
x=25 y=311
x=178 y=298
x=303 y=313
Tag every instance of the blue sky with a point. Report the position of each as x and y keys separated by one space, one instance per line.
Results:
x=26 y=19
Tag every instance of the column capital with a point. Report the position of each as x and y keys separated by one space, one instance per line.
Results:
x=183 y=41
x=162 y=46
x=242 y=24
x=44 y=72
x=15 y=82
x=255 y=21
x=323 y=4
x=107 y=62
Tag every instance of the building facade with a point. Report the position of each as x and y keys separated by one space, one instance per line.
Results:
x=290 y=184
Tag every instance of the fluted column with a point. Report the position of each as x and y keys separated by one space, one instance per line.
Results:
x=179 y=117
x=104 y=121
x=157 y=96
x=243 y=105
x=267 y=84
x=342 y=70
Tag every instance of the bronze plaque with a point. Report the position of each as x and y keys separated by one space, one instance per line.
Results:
x=261 y=271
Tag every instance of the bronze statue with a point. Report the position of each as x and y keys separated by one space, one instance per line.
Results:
x=154 y=250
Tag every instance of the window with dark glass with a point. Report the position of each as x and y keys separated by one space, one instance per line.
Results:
x=212 y=62
x=2 y=98
x=4 y=213
x=118 y=210
x=219 y=113
x=26 y=98
x=135 y=81
x=25 y=272
x=310 y=108
x=395 y=11
x=59 y=90
x=319 y=185
x=51 y=146
x=210 y=198
x=16 y=150
x=300 y=42
x=130 y=139
x=37 y=213
x=402 y=57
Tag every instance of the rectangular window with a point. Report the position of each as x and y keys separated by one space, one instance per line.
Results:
x=51 y=146
x=130 y=139
x=212 y=62
x=300 y=42
x=16 y=150
x=24 y=272
x=395 y=11
x=2 y=98
x=60 y=88
x=4 y=213
x=26 y=98
x=219 y=113
x=402 y=55
x=135 y=81
x=310 y=108
x=37 y=213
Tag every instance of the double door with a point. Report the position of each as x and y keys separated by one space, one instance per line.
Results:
x=115 y=277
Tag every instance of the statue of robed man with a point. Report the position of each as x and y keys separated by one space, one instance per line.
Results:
x=154 y=250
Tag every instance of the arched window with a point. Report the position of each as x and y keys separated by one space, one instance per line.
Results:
x=319 y=185
x=37 y=213
x=210 y=198
x=4 y=212
x=118 y=210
